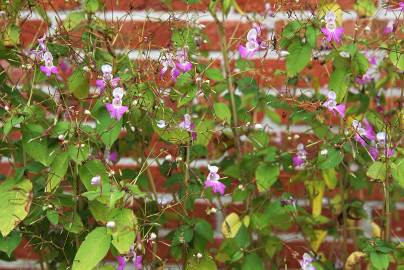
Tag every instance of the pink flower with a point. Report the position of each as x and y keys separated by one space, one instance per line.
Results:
x=107 y=78
x=253 y=44
x=137 y=261
x=113 y=157
x=115 y=109
x=48 y=68
x=362 y=133
x=188 y=126
x=212 y=180
x=121 y=262
x=299 y=159
x=331 y=104
x=332 y=32
x=380 y=147
x=96 y=180
x=401 y=4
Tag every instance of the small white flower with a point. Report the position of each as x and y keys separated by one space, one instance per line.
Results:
x=168 y=157
x=324 y=152
x=213 y=210
x=258 y=126
x=153 y=236
x=86 y=69
x=118 y=92
x=87 y=112
x=106 y=69
x=161 y=124
x=199 y=255
x=111 y=224
x=96 y=180
x=61 y=137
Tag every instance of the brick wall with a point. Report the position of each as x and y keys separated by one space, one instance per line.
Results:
x=135 y=33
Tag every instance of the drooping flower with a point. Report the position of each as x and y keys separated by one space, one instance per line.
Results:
x=161 y=124
x=107 y=78
x=188 y=125
x=48 y=68
x=401 y=5
x=331 y=31
x=299 y=159
x=121 y=262
x=306 y=262
x=113 y=157
x=389 y=28
x=362 y=133
x=253 y=44
x=212 y=180
x=182 y=60
x=331 y=104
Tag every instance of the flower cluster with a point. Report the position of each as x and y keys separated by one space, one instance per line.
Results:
x=380 y=147
x=44 y=55
x=363 y=133
x=307 y=262
x=107 y=79
x=136 y=259
x=331 y=31
x=178 y=64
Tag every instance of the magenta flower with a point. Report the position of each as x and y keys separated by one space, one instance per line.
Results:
x=121 y=262
x=115 y=109
x=401 y=4
x=113 y=157
x=107 y=78
x=299 y=159
x=188 y=126
x=331 y=31
x=212 y=180
x=253 y=44
x=331 y=104
x=306 y=262
x=137 y=261
x=362 y=133
x=48 y=68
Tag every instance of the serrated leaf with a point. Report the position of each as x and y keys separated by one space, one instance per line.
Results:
x=107 y=127
x=57 y=171
x=266 y=175
x=222 y=111
x=93 y=249
x=73 y=20
x=377 y=171
x=124 y=234
x=339 y=82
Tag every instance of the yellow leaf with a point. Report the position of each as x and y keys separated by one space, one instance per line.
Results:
x=232 y=224
x=353 y=259
x=376 y=231
x=316 y=190
x=320 y=236
x=331 y=7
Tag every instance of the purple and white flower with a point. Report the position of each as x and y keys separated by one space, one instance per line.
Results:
x=362 y=133
x=300 y=158
x=116 y=109
x=188 y=125
x=178 y=64
x=253 y=44
x=48 y=68
x=212 y=180
x=107 y=78
x=307 y=262
x=331 y=31
x=331 y=104
x=96 y=180
x=380 y=147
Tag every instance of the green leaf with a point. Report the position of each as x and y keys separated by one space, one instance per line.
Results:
x=78 y=83
x=214 y=74
x=397 y=57
x=222 y=111
x=52 y=216
x=57 y=171
x=377 y=171
x=365 y=7
x=380 y=261
x=36 y=145
x=92 y=5
x=397 y=171
x=360 y=63
x=203 y=229
x=289 y=32
x=227 y=4
x=11 y=37
x=72 y=222
x=73 y=20
x=92 y=250
x=331 y=160
x=330 y=178
x=93 y=168
x=15 y=201
x=311 y=36
x=266 y=175
x=78 y=153
x=339 y=82
x=124 y=234
x=107 y=127
x=204 y=263
x=253 y=262
x=10 y=243
x=299 y=56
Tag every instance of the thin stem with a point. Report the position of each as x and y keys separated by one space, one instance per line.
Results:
x=344 y=220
